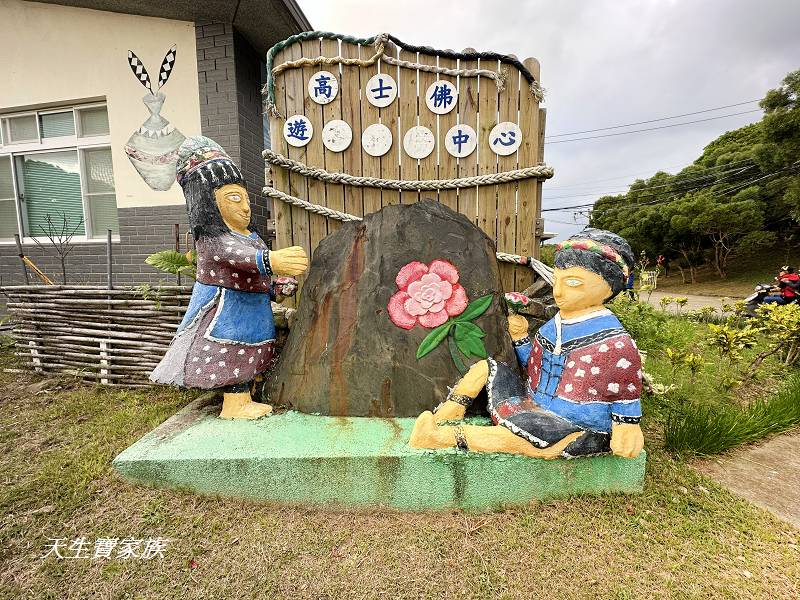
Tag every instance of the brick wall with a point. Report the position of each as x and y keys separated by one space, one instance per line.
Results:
x=142 y=231
x=229 y=74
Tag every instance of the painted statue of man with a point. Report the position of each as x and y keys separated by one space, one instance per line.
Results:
x=581 y=393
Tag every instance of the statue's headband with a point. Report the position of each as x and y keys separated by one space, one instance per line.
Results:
x=603 y=250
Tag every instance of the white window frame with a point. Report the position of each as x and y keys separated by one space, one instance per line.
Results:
x=71 y=142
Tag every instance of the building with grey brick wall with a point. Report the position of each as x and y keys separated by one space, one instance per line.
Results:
x=229 y=44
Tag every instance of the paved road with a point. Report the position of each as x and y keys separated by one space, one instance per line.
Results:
x=767 y=475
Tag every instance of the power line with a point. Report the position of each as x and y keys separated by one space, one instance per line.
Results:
x=651 y=187
x=698 y=112
x=594 y=137
x=679 y=188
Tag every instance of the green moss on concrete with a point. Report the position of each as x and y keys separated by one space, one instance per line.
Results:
x=310 y=459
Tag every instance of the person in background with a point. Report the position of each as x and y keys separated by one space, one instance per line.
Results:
x=786 y=290
x=629 y=285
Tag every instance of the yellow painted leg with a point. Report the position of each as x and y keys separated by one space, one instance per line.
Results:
x=239 y=405
x=470 y=385
x=427 y=434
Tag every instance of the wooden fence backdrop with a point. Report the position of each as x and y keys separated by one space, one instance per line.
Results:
x=508 y=213
x=109 y=336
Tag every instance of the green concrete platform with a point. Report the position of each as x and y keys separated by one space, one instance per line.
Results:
x=316 y=460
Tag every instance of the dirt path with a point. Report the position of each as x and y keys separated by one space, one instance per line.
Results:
x=767 y=475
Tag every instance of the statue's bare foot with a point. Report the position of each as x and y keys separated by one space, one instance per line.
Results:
x=426 y=434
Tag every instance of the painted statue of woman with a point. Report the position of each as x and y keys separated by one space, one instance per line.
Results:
x=584 y=377
x=227 y=335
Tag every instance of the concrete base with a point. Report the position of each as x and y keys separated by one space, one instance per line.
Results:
x=311 y=460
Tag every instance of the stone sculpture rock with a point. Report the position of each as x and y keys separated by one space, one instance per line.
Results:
x=376 y=290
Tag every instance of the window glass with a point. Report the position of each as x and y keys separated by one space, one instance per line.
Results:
x=99 y=171
x=8 y=211
x=57 y=124
x=22 y=129
x=52 y=188
x=103 y=211
x=94 y=121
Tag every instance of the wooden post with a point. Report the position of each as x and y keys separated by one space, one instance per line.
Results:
x=178 y=244
x=108 y=261
x=103 y=362
x=21 y=258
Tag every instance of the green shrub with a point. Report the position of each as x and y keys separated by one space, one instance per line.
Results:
x=710 y=429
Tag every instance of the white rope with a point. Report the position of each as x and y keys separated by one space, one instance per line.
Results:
x=537 y=171
x=539 y=267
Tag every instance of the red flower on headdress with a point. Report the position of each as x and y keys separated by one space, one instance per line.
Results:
x=428 y=295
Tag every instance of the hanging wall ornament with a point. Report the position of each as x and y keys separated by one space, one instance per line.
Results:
x=323 y=87
x=381 y=90
x=297 y=131
x=153 y=148
x=419 y=142
x=505 y=138
x=337 y=135
x=441 y=97
x=376 y=139
x=461 y=141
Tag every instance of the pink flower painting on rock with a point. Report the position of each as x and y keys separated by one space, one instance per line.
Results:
x=427 y=294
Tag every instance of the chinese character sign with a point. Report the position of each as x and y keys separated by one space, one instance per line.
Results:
x=441 y=97
x=323 y=87
x=381 y=90
x=297 y=131
x=505 y=138
x=461 y=140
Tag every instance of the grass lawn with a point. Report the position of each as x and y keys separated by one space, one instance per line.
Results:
x=684 y=537
x=745 y=273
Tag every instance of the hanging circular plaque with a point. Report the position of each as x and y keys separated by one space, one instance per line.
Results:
x=297 y=130
x=323 y=87
x=336 y=135
x=461 y=141
x=419 y=142
x=441 y=97
x=376 y=139
x=381 y=90
x=505 y=138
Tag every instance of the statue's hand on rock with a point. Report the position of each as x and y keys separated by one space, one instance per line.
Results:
x=517 y=327
x=289 y=261
x=626 y=440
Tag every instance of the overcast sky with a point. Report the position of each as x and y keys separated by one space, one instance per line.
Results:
x=606 y=63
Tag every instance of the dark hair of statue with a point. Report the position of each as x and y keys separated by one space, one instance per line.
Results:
x=205 y=220
x=585 y=259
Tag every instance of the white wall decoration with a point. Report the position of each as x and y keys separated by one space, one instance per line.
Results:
x=441 y=97
x=461 y=140
x=505 y=138
x=376 y=139
x=297 y=131
x=337 y=135
x=419 y=142
x=323 y=87
x=381 y=90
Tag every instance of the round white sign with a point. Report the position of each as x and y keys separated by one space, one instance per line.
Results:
x=376 y=139
x=323 y=87
x=419 y=142
x=381 y=90
x=298 y=130
x=461 y=140
x=505 y=138
x=336 y=135
x=441 y=97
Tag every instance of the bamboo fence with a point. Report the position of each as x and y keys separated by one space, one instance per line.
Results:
x=113 y=337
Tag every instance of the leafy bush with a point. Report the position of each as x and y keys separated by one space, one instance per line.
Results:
x=645 y=324
x=710 y=429
x=172 y=261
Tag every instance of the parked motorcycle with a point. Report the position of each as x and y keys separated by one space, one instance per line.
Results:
x=761 y=291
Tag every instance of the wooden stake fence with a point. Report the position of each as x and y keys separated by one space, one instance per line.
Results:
x=109 y=336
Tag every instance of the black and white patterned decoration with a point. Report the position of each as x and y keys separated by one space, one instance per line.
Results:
x=166 y=66
x=137 y=66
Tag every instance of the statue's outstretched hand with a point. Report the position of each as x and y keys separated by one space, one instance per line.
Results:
x=288 y=261
x=626 y=440
x=517 y=327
